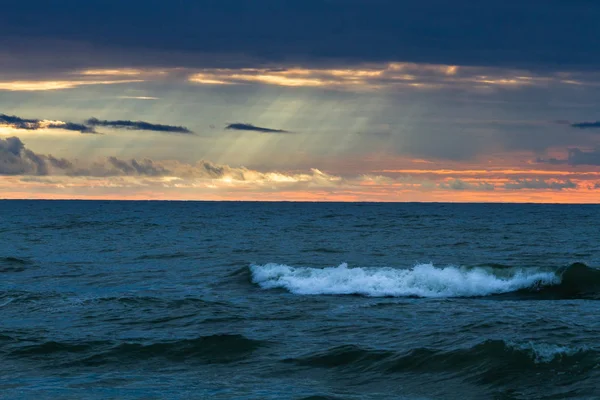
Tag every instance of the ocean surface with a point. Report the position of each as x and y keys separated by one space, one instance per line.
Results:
x=201 y=300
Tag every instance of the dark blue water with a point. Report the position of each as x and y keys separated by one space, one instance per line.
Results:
x=154 y=300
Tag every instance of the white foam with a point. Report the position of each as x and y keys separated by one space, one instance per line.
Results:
x=423 y=280
x=546 y=353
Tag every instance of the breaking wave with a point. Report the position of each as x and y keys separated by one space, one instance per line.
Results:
x=426 y=280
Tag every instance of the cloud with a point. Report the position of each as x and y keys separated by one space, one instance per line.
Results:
x=138 y=97
x=586 y=125
x=15 y=159
x=139 y=125
x=540 y=184
x=359 y=77
x=145 y=167
x=26 y=173
x=580 y=157
x=552 y=160
x=458 y=184
x=457 y=33
x=15 y=122
x=575 y=157
x=387 y=76
x=250 y=127
x=43 y=85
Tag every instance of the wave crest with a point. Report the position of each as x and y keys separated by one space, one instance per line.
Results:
x=423 y=280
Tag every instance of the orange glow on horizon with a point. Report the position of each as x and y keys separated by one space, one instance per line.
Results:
x=570 y=196
x=487 y=171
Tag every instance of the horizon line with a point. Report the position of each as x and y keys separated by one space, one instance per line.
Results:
x=300 y=201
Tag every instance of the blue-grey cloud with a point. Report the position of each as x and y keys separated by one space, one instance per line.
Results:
x=575 y=157
x=16 y=159
x=581 y=157
x=133 y=167
x=139 y=125
x=552 y=160
x=586 y=125
x=34 y=124
x=559 y=34
x=249 y=127
x=540 y=184
x=459 y=184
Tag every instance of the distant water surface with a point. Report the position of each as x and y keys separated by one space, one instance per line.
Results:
x=178 y=300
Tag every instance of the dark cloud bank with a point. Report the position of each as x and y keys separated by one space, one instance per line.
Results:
x=552 y=34
x=249 y=127
x=33 y=124
x=586 y=125
x=138 y=125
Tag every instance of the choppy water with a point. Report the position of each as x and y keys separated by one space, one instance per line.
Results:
x=142 y=300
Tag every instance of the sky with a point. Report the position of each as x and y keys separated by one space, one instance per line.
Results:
x=303 y=100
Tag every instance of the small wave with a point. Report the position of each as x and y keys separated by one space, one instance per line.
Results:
x=73 y=224
x=7 y=301
x=344 y=356
x=423 y=280
x=52 y=347
x=13 y=260
x=13 y=264
x=207 y=349
x=163 y=256
x=489 y=360
x=214 y=348
x=324 y=250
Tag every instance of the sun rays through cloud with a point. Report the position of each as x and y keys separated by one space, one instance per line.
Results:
x=432 y=117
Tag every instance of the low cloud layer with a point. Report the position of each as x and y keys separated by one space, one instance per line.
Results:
x=15 y=122
x=249 y=127
x=138 y=125
x=22 y=169
x=459 y=184
x=540 y=184
x=16 y=159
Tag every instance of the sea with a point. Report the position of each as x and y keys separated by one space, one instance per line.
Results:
x=312 y=301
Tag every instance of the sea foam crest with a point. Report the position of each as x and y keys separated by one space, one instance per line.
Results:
x=546 y=353
x=423 y=280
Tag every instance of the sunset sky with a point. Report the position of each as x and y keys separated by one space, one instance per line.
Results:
x=342 y=100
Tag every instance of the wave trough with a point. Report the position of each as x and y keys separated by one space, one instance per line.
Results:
x=423 y=280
